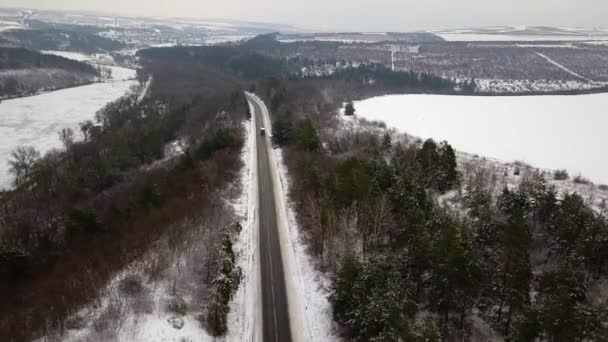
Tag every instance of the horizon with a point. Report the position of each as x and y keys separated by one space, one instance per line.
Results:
x=388 y=23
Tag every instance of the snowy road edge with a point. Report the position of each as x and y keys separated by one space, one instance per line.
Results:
x=244 y=319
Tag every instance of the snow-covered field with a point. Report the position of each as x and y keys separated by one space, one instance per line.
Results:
x=524 y=33
x=35 y=120
x=471 y=37
x=550 y=132
x=101 y=60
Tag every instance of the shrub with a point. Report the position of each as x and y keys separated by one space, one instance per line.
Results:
x=178 y=306
x=81 y=221
x=223 y=138
x=349 y=110
x=603 y=187
x=579 y=179
x=561 y=175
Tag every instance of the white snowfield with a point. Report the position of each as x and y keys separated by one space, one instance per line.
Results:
x=36 y=120
x=307 y=289
x=98 y=59
x=550 y=132
x=472 y=37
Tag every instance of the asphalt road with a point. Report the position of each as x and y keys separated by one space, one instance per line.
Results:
x=275 y=314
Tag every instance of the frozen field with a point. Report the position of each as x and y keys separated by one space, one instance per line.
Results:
x=554 y=132
x=35 y=120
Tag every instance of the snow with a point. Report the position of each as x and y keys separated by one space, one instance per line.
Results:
x=551 y=132
x=244 y=319
x=485 y=85
x=471 y=37
x=99 y=59
x=35 y=120
x=307 y=289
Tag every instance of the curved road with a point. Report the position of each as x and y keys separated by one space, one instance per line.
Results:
x=275 y=314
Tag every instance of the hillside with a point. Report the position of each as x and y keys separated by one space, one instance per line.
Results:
x=61 y=40
x=24 y=72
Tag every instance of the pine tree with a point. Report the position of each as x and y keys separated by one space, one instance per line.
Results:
x=349 y=109
x=456 y=274
x=449 y=167
x=386 y=142
x=307 y=137
x=283 y=132
x=514 y=269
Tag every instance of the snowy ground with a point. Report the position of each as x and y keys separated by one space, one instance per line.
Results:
x=524 y=33
x=99 y=59
x=550 y=132
x=506 y=86
x=244 y=319
x=137 y=307
x=35 y=120
x=471 y=37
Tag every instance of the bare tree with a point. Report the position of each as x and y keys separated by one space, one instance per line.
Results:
x=66 y=135
x=22 y=163
x=85 y=127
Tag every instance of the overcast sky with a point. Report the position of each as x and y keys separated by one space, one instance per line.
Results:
x=378 y=15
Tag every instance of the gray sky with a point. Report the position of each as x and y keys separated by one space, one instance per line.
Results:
x=378 y=15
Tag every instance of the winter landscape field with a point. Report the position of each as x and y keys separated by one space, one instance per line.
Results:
x=303 y=171
x=553 y=132
x=36 y=120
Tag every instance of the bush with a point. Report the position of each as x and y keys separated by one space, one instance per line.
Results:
x=81 y=221
x=579 y=179
x=349 y=110
x=223 y=138
x=178 y=306
x=603 y=187
x=561 y=175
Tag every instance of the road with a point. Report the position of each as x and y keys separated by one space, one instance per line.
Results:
x=275 y=314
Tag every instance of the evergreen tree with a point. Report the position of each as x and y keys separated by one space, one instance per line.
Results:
x=371 y=301
x=456 y=273
x=283 y=132
x=307 y=137
x=449 y=167
x=386 y=142
x=514 y=270
x=349 y=109
x=561 y=311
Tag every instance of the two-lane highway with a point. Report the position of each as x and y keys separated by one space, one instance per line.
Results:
x=275 y=314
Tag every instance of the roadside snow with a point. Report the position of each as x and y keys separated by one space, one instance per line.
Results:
x=551 y=132
x=244 y=319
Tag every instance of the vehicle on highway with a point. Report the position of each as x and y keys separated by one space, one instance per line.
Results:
x=262 y=131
